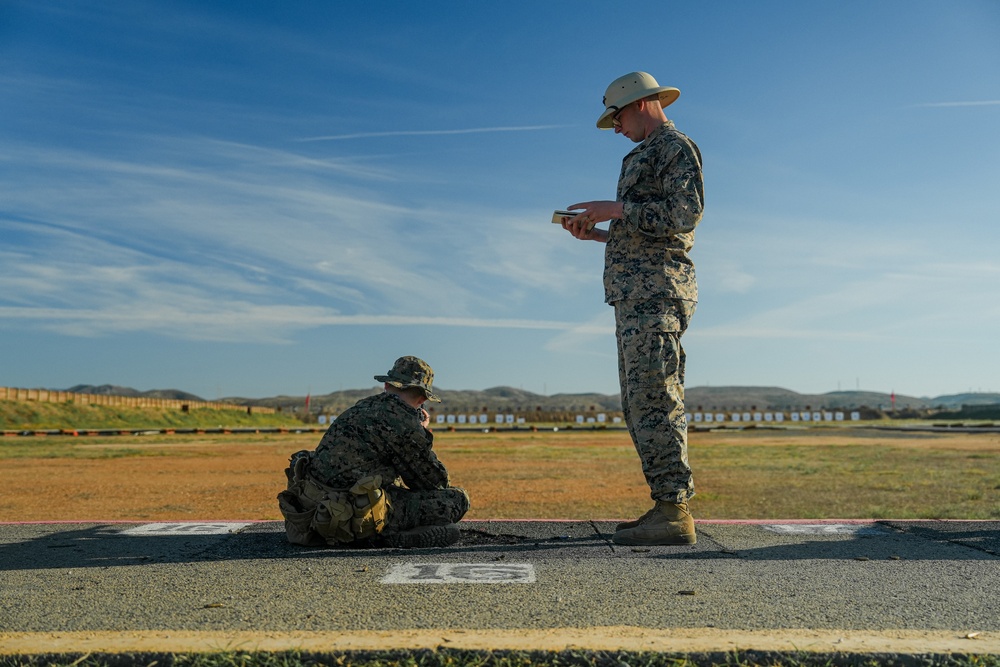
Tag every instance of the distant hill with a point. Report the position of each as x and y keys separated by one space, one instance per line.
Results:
x=776 y=398
x=495 y=399
x=958 y=400
x=698 y=399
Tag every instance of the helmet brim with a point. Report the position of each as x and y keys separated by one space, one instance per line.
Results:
x=667 y=94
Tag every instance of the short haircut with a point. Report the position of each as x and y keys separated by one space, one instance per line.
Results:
x=413 y=392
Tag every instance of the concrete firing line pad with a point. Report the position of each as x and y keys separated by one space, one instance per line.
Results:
x=827 y=586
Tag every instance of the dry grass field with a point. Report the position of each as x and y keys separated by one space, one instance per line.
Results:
x=835 y=472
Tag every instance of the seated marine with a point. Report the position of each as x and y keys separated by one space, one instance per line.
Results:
x=374 y=480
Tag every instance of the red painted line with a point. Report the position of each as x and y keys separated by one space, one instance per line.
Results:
x=789 y=521
x=833 y=521
x=749 y=522
x=141 y=521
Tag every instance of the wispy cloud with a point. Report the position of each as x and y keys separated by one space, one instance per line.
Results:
x=979 y=103
x=201 y=319
x=420 y=133
x=208 y=240
x=883 y=307
x=581 y=338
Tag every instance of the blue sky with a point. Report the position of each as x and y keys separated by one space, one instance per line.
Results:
x=261 y=198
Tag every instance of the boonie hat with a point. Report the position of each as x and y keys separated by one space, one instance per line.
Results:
x=627 y=89
x=411 y=372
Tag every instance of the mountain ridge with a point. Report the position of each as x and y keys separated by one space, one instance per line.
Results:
x=703 y=398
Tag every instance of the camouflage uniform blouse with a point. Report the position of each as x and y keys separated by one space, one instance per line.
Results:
x=379 y=435
x=662 y=193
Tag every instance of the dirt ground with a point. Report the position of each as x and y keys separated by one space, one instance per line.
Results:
x=232 y=477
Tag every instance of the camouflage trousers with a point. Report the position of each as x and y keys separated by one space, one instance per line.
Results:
x=651 y=372
x=434 y=507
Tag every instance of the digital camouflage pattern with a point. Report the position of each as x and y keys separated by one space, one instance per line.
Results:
x=651 y=372
x=662 y=193
x=382 y=436
x=650 y=280
x=432 y=507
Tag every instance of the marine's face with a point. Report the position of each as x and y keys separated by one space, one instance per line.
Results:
x=626 y=122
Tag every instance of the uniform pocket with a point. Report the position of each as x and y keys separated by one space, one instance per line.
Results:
x=665 y=319
x=660 y=358
x=650 y=339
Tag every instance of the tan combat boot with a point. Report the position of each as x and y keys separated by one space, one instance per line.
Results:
x=421 y=537
x=635 y=522
x=668 y=523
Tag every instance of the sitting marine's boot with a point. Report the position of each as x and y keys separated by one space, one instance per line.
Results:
x=667 y=523
x=421 y=537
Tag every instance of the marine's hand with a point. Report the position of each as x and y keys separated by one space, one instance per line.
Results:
x=599 y=211
x=582 y=225
x=425 y=418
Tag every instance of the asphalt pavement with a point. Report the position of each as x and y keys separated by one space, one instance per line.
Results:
x=905 y=587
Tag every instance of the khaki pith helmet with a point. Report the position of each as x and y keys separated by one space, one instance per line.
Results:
x=627 y=89
x=411 y=372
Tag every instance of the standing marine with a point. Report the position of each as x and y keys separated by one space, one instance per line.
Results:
x=649 y=279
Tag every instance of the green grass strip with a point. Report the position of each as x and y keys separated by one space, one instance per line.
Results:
x=479 y=658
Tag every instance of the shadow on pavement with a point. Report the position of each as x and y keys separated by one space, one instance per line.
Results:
x=108 y=546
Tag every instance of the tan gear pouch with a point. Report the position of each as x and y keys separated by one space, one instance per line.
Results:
x=333 y=518
x=298 y=522
x=370 y=507
x=315 y=513
x=298 y=511
x=331 y=510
